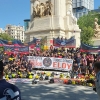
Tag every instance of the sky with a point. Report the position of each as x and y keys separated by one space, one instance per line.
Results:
x=15 y=11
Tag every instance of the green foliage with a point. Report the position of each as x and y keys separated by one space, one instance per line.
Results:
x=86 y=24
x=86 y=20
x=5 y=36
x=86 y=36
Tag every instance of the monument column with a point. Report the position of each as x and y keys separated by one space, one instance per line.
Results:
x=61 y=23
x=69 y=6
x=60 y=8
x=72 y=29
x=31 y=9
x=57 y=7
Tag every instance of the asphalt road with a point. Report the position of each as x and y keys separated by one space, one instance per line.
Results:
x=56 y=92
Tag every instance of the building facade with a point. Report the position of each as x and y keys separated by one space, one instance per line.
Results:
x=26 y=24
x=82 y=7
x=17 y=32
x=2 y=31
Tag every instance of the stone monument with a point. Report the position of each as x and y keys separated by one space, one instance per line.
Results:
x=52 y=18
x=97 y=28
x=96 y=37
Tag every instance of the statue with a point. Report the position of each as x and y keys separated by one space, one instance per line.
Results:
x=48 y=10
x=34 y=12
x=36 y=8
x=97 y=28
x=37 y=2
x=41 y=9
x=74 y=20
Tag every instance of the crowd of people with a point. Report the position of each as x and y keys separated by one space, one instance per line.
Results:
x=82 y=62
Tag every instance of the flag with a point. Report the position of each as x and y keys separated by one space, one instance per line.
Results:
x=43 y=41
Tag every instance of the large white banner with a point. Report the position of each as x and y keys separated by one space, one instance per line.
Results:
x=51 y=63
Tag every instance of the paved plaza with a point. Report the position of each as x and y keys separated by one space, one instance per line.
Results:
x=56 y=92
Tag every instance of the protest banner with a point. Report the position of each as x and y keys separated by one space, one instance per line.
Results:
x=51 y=63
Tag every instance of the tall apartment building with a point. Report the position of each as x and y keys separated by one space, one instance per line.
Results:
x=26 y=24
x=17 y=32
x=81 y=7
x=2 y=31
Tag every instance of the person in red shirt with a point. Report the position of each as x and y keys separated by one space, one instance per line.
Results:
x=91 y=58
x=84 y=60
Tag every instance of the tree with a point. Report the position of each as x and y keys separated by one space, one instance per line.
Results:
x=86 y=36
x=5 y=36
x=86 y=24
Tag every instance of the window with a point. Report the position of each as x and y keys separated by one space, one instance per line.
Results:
x=12 y=30
x=76 y=15
x=84 y=13
x=80 y=14
x=74 y=5
x=78 y=4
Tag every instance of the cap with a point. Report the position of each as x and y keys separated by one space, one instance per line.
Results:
x=1 y=66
